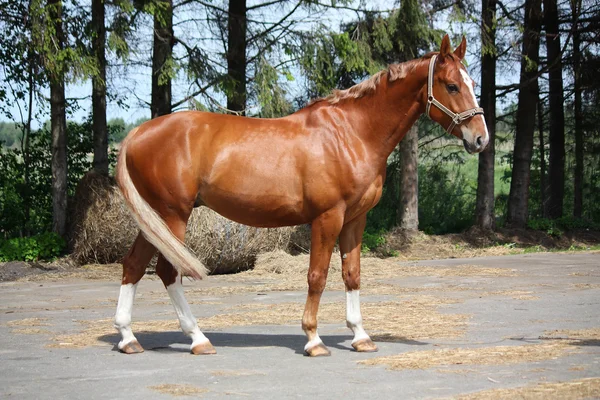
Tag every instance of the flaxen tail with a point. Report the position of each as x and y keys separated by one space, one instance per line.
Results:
x=152 y=225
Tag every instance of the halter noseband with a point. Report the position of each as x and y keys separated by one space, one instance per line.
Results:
x=457 y=118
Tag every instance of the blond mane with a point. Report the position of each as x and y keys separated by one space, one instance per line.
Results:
x=393 y=73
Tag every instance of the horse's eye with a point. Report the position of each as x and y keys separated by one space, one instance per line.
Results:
x=452 y=88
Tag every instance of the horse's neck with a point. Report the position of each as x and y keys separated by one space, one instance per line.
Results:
x=384 y=117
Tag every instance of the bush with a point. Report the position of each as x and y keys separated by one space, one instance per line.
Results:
x=26 y=200
x=446 y=200
x=555 y=227
x=45 y=246
x=547 y=225
x=372 y=241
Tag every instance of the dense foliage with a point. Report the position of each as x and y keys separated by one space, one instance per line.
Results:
x=25 y=199
x=45 y=246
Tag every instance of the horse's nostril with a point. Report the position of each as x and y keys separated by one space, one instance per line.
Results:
x=479 y=141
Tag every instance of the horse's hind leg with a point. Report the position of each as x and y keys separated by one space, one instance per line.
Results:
x=350 y=246
x=172 y=281
x=134 y=266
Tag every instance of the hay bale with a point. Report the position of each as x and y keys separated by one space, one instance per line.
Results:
x=227 y=247
x=103 y=230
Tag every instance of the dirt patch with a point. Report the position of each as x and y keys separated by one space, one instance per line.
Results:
x=478 y=243
x=29 y=322
x=179 y=390
x=108 y=272
x=15 y=270
x=586 y=286
x=31 y=331
x=279 y=271
x=498 y=355
x=29 y=326
x=526 y=297
x=515 y=294
x=559 y=343
x=281 y=264
x=61 y=269
x=577 y=389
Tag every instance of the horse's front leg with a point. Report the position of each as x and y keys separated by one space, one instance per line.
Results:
x=324 y=232
x=350 y=246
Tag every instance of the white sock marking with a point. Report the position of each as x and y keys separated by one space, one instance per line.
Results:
x=314 y=342
x=188 y=322
x=123 y=314
x=353 y=315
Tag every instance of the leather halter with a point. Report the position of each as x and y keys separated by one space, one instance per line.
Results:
x=457 y=118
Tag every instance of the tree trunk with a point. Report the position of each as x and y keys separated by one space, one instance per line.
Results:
x=484 y=211
x=236 y=55
x=408 y=206
x=578 y=181
x=557 y=117
x=25 y=144
x=518 y=200
x=99 y=126
x=162 y=58
x=58 y=124
x=540 y=114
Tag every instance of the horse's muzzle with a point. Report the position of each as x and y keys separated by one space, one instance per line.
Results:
x=475 y=146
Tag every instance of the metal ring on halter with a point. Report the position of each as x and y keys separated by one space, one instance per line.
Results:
x=457 y=118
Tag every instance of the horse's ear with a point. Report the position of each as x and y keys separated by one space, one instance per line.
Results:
x=445 y=48
x=461 y=50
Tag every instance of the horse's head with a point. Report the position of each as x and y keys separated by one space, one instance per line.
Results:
x=451 y=99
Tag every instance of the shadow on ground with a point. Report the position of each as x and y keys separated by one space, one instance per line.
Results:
x=161 y=341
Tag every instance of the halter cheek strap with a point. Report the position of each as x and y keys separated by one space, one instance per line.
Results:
x=457 y=118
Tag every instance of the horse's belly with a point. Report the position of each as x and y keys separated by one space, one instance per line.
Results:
x=261 y=210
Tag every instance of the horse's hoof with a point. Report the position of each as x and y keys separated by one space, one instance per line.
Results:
x=365 y=346
x=319 y=350
x=204 y=348
x=132 y=347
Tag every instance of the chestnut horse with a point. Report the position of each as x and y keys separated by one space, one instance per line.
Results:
x=324 y=165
